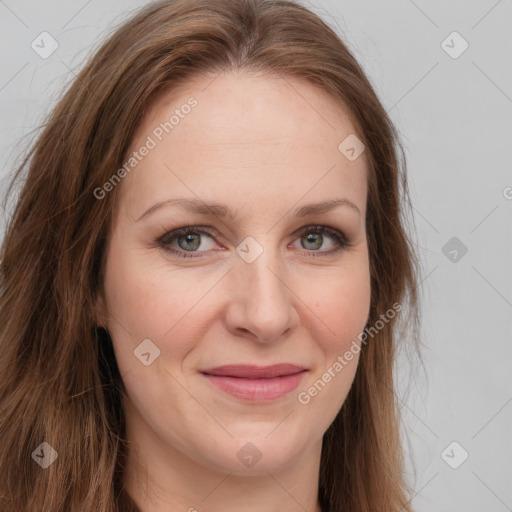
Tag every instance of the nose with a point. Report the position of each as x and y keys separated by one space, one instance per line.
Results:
x=262 y=304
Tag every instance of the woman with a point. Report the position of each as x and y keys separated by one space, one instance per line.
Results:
x=203 y=274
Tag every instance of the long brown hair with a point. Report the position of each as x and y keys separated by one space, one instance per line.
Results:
x=59 y=379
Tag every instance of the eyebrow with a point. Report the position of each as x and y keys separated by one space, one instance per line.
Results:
x=221 y=210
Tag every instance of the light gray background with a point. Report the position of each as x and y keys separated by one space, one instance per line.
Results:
x=455 y=118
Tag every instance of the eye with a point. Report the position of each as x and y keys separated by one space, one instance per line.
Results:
x=191 y=241
x=188 y=240
x=313 y=238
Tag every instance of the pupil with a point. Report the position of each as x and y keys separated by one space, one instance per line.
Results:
x=189 y=239
x=311 y=239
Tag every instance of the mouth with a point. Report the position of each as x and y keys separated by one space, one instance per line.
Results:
x=249 y=371
x=256 y=383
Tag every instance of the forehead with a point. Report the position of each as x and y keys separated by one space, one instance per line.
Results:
x=240 y=136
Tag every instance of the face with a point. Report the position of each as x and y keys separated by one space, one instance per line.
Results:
x=261 y=278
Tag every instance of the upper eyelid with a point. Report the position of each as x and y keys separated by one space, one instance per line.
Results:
x=195 y=229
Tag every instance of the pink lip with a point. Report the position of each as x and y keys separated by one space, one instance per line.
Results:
x=251 y=371
x=256 y=383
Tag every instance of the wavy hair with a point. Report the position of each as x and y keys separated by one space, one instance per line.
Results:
x=59 y=379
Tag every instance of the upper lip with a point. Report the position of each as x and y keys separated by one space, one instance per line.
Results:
x=253 y=371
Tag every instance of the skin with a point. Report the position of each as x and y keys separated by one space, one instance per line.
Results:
x=263 y=146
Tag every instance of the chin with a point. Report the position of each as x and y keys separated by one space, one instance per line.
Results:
x=257 y=452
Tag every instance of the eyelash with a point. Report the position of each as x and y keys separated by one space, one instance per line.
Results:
x=165 y=240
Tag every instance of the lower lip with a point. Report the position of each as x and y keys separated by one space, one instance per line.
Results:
x=257 y=390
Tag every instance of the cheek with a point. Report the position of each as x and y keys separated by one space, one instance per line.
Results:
x=341 y=308
x=152 y=301
x=341 y=304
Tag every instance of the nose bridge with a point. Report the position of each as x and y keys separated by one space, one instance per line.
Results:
x=265 y=302
x=262 y=279
x=261 y=274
